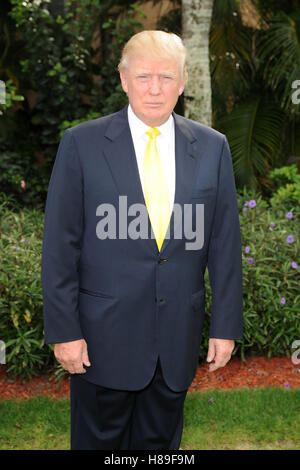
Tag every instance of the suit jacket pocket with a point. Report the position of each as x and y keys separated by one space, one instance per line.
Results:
x=203 y=193
x=95 y=294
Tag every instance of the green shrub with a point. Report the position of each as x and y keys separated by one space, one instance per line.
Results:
x=21 y=320
x=10 y=95
x=271 y=283
x=286 y=186
x=23 y=180
x=271 y=278
x=66 y=76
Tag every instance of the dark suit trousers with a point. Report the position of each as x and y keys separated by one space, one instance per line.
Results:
x=106 y=419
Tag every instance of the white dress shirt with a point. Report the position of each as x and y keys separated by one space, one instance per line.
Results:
x=165 y=145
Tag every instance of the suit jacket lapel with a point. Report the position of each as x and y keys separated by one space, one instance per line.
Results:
x=185 y=164
x=120 y=156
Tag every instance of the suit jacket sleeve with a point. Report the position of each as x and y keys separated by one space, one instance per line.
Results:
x=225 y=257
x=63 y=227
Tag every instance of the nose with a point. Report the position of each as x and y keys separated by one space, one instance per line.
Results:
x=154 y=86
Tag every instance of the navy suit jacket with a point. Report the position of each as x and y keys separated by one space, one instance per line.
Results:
x=130 y=302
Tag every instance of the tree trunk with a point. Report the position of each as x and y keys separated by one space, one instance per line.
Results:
x=196 y=20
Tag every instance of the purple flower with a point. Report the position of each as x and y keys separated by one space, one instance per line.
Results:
x=294 y=265
x=290 y=238
x=252 y=203
x=247 y=249
x=282 y=300
x=244 y=208
x=289 y=215
x=17 y=249
x=211 y=399
x=272 y=224
x=246 y=204
x=287 y=385
x=250 y=260
x=27 y=243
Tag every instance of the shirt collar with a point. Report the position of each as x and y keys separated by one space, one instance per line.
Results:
x=139 y=128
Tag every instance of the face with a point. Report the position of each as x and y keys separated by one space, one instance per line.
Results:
x=153 y=87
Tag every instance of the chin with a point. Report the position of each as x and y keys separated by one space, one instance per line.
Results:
x=155 y=118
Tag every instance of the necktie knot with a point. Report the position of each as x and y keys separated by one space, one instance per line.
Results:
x=153 y=132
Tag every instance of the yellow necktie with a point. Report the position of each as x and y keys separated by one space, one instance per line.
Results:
x=156 y=189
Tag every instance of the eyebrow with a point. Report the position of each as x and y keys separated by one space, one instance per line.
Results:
x=141 y=72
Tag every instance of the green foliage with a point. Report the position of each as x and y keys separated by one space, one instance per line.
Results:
x=286 y=183
x=252 y=148
x=118 y=32
x=56 y=65
x=254 y=60
x=21 y=318
x=23 y=180
x=270 y=326
x=253 y=69
x=67 y=72
x=279 y=52
x=230 y=56
x=271 y=275
x=10 y=96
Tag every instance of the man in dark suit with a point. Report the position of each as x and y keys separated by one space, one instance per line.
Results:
x=140 y=202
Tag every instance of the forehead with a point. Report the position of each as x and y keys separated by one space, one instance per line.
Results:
x=153 y=65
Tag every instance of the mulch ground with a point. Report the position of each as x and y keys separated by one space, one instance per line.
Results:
x=251 y=373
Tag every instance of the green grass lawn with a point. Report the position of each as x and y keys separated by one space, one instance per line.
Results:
x=267 y=418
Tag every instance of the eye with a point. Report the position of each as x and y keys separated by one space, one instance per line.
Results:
x=142 y=78
x=167 y=78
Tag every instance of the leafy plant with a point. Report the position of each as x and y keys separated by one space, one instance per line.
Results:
x=21 y=317
x=252 y=74
x=56 y=65
x=23 y=180
x=252 y=148
x=286 y=186
x=8 y=95
x=271 y=276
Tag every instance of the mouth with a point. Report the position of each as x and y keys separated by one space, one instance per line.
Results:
x=153 y=105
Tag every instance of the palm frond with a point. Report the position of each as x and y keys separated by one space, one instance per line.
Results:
x=230 y=48
x=253 y=130
x=279 y=51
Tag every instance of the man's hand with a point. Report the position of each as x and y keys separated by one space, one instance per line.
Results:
x=72 y=356
x=219 y=351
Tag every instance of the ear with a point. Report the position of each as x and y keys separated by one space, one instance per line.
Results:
x=124 y=80
x=181 y=88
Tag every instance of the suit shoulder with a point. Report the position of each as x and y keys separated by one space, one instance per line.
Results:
x=201 y=130
x=96 y=125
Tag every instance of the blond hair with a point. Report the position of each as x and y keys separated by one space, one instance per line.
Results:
x=157 y=44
